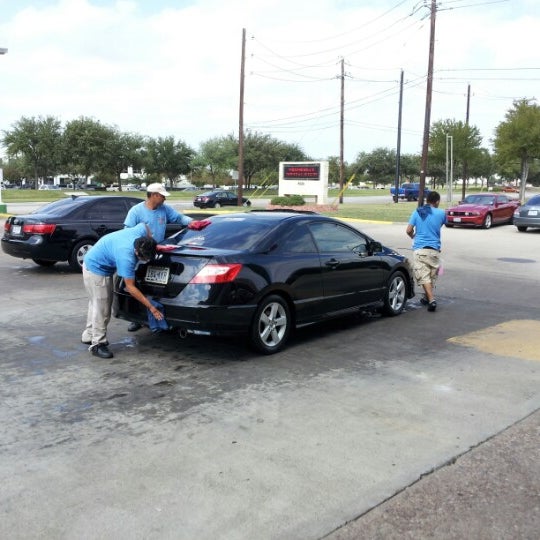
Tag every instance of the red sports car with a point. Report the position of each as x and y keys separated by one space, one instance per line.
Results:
x=482 y=210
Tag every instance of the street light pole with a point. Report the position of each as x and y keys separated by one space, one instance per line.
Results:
x=449 y=180
x=3 y=207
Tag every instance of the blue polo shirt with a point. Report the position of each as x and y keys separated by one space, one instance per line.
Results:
x=155 y=219
x=115 y=252
x=427 y=222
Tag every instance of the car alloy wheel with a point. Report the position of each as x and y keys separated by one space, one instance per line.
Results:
x=271 y=325
x=396 y=295
x=77 y=254
x=487 y=221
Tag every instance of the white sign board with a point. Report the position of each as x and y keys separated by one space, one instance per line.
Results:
x=304 y=178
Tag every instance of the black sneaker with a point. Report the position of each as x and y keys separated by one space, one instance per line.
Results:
x=102 y=351
x=134 y=326
x=424 y=301
x=432 y=306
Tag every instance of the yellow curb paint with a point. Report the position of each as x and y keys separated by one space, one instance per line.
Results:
x=515 y=338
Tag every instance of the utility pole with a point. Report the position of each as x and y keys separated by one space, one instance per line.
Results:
x=241 y=123
x=398 y=145
x=427 y=118
x=465 y=164
x=341 y=122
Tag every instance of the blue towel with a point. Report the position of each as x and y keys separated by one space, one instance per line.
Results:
x=153 y=323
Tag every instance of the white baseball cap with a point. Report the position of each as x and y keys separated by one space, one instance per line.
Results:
x=157 y=188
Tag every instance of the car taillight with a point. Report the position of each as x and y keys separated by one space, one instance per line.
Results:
x=7 y=226
x=217 y=273
x=39 y=228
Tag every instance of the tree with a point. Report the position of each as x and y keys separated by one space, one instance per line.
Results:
x=518 y=138
x=217 y=157
x=167 y=157
x=84 y=146
x=263 y=153
x=379 y=165
x=38 y=142
x=465 y=145
x=122 y=150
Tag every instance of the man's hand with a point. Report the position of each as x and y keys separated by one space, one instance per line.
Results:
x=198 y=225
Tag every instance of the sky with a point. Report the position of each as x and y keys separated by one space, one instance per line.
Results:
x=173 y=67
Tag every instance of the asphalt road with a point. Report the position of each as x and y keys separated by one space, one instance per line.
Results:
x=366 y=427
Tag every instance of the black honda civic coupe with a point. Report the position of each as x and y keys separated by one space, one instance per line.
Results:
x=263 y=273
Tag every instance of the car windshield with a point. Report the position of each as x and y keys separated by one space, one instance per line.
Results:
x=234 y=232
x=479 y=199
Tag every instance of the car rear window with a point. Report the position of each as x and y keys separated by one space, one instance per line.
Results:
x=236 y=233
x=61 y=207
x=534 y=201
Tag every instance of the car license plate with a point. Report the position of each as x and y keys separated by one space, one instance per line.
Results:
x=16 y=229
x=157 y=274
x=533 y=212
x=457 y=219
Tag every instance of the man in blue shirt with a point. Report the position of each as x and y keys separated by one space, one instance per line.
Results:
x=118 y=252
x=156 y=214
x=424 y=228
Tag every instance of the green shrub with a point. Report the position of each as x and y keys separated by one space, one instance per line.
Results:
x=288 y=200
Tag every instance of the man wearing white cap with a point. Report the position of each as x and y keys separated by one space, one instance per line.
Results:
x=156 y=215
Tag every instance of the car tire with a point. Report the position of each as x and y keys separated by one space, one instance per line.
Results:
x=395 y=297
x=522 y=228
x=449 y=225
x=43 y=262
x=247 y=203
x=77 y=254
x=488 y=222
x=217 y=205
x=271 y=325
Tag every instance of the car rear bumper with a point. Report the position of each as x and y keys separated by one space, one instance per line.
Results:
x=526 y=221
x=204 y=320
x=34 y=247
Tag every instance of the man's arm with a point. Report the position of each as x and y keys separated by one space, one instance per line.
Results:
x=410 y=230
x=138 y=295
x=176 y=217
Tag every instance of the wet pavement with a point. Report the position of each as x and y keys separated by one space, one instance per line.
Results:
x=420 y=426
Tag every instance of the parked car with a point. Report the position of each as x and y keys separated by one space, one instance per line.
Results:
x=528 y=214
x=409 y=191
x=263 y=273
x=64 y=230
x=482 y=210
x=218 y=198
x=510 y=189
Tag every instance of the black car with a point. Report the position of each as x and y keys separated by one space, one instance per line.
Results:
x=65 y=230
x=218 y=198
x=263 y=273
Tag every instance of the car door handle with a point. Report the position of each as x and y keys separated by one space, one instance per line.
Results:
x=101 y=230
x=332 y=263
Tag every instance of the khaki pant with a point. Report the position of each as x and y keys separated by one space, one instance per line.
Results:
x=100 y=298
x=426 y=262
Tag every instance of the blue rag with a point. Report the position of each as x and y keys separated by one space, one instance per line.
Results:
x=153 y=323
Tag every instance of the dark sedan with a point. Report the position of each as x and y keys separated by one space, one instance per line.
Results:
x=218 y=198
x=65 y=230
x=263 y=273
x=528 y=215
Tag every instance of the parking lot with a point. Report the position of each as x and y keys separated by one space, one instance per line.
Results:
x=202 y=438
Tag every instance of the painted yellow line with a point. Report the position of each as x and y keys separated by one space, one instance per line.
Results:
x=516 y=338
